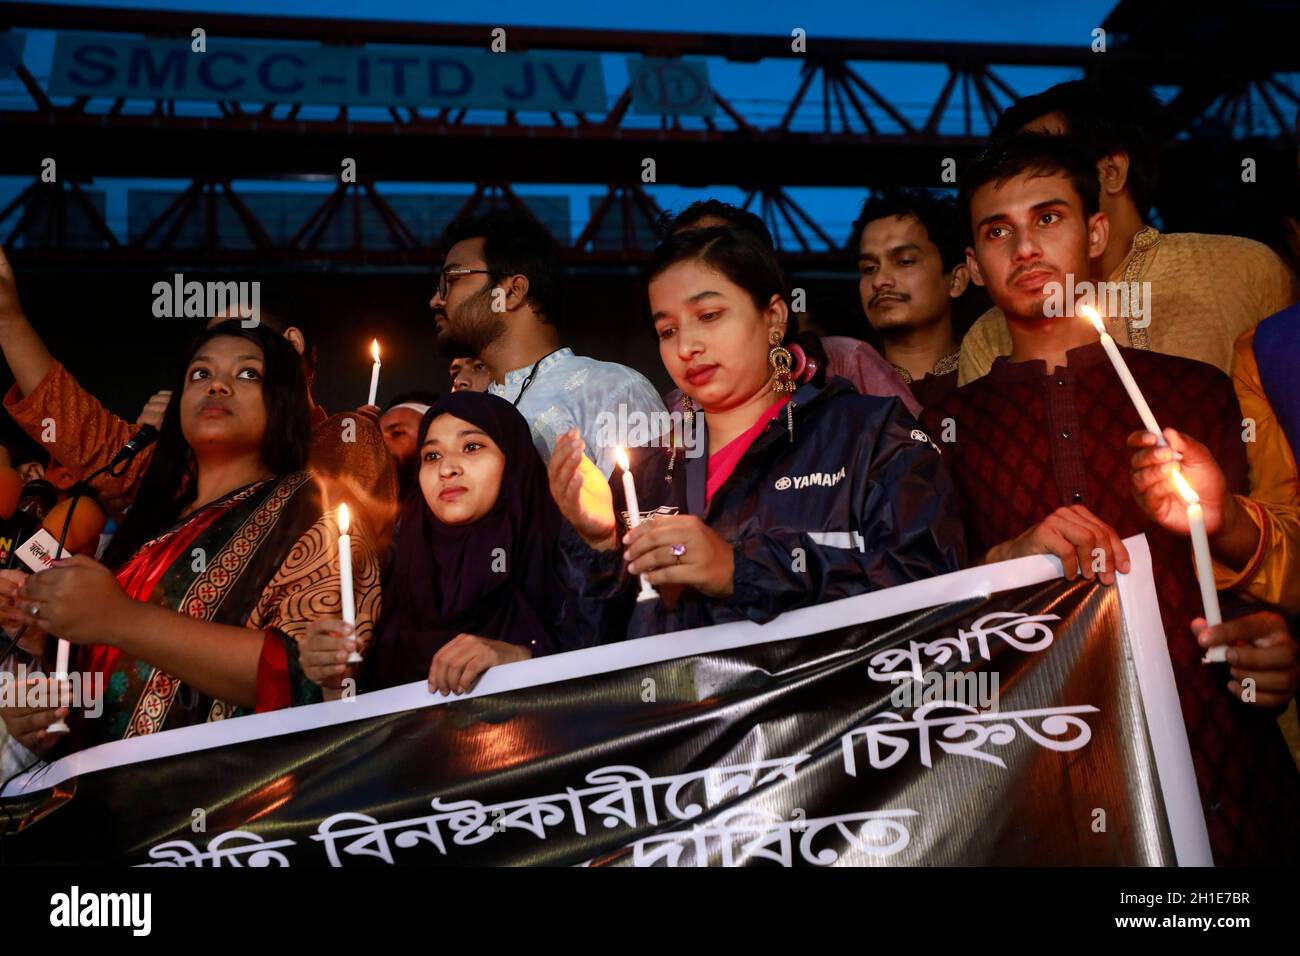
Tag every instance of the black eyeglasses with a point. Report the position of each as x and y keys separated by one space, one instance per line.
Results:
x=456 y=274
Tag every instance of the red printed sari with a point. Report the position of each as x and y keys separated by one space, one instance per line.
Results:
x=263 y=557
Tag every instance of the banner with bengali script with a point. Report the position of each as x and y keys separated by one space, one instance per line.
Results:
x=1000 y=715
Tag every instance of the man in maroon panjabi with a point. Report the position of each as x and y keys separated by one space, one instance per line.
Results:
x=1038 y=451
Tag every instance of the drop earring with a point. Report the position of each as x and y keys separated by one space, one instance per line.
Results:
x=782 y=362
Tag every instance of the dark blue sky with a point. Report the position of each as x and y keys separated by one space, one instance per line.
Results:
x=760 y=91
x=987 y=20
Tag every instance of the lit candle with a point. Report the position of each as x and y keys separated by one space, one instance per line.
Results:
x=1125 y=376
x=374 y=372
x=1204 y=565
x=345 y=576
x=648 y=593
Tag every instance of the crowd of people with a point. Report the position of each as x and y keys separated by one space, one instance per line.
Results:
x=785 y=469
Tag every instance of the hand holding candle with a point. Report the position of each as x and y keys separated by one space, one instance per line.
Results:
x=647 y=593
x=374 y=372
x=347 y=600
x=1182 y=488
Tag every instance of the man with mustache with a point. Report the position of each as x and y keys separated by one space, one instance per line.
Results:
x=912 y=270
x=498 y=299
x=1205 y=290
x=1042 y=452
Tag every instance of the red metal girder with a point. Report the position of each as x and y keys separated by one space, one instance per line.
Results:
x=1282 y=124
x=1001 y=84
x=33 y=88
x=252 y=225
x=879 y=100
x=741 y=123
x=867 y=122
x=190 y=200
x=620 y=107
x=96 y=220
x=941 y=104
x=597 y=217
x=809 y=70
x=787 y=201
x=36 y=201
x=19 y=200
x=322 y=215
x=397 y=228
x=181 y=199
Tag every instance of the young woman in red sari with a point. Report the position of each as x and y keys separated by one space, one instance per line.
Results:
x=226 y=556
x=798 y=491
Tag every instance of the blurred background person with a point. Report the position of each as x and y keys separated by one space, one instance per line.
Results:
x=912 y=272
x=469 y=374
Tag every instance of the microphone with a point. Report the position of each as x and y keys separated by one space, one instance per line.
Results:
x=38 y=497
x=141 y=440
x=79 y=528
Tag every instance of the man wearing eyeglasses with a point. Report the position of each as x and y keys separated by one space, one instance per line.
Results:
x=498 y=300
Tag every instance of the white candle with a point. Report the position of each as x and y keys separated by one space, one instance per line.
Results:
x=1204 y=563
x=60 y=678
x=1125 y=376
x=345 y=576
x=374 y=372
x=60 y=668
x=648 y=593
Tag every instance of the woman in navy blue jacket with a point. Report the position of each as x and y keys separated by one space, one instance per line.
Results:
x=794 y=493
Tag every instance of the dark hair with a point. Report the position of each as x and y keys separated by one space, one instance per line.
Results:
x=168 y=484
x=418 y=395
x=741 y=220
x=1039 y=153
x=745 y=261
x=280 y=324
x=1104 y=115
x=515 y=243
x=937 y=214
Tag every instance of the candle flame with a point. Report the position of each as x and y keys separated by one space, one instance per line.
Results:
x=344 y=519
x=620 y=456
x=1091 y=314
x=374 y=349
x=1187 y=491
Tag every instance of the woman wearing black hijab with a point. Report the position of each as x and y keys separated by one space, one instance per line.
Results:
x=471 y=583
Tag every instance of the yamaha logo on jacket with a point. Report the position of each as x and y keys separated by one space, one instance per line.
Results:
x=859 y=500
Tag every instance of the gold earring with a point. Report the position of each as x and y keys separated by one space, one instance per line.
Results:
x=782 y=362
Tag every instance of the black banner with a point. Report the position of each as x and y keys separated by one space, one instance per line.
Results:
x=1004 y=729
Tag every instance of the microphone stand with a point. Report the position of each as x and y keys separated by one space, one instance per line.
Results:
x=113 y=470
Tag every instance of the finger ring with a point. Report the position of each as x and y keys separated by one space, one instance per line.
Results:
x=678 y=551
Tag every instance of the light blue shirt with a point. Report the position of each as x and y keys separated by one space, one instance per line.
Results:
x=610 y=404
